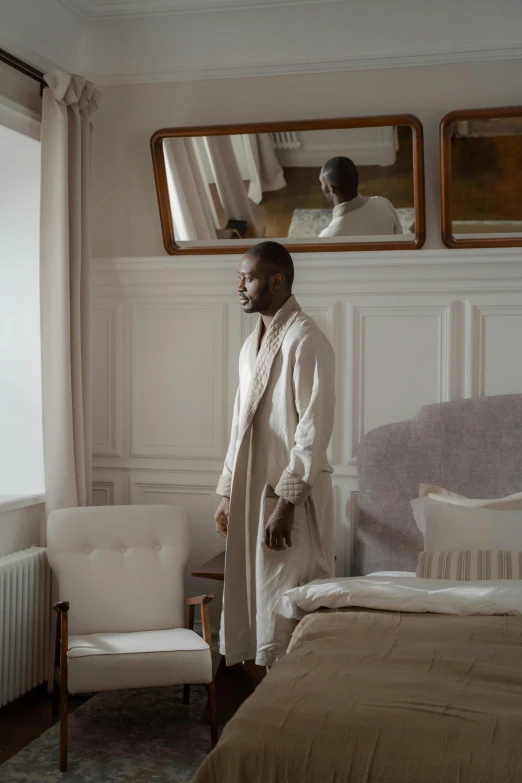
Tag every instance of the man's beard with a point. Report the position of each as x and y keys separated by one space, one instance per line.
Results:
x=259 y=303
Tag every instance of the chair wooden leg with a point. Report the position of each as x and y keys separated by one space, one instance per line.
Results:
x=56 y=700
x=56 y=668
x=62 y=609
x=186 y=694
x=64 y=727
x=212 y=712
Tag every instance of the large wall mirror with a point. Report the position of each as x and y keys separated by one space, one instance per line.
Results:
x=345 y=184
x=481 y=177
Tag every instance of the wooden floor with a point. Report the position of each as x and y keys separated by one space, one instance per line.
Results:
x=25 y=719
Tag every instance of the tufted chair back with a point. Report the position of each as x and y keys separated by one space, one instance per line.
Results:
x=120 y=567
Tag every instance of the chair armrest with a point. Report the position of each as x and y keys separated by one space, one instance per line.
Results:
x=199 y=599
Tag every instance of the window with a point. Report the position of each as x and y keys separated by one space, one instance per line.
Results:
x=21 y=440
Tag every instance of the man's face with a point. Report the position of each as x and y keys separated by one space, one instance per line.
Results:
x=254 y=291
x=327 y=190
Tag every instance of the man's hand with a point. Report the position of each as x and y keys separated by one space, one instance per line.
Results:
x=278 y=528
x=221 y=517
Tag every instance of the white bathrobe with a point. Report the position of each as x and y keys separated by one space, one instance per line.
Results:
x=363 y=216
x=282 y=424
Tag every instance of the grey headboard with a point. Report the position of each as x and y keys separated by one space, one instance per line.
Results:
x=473 y=447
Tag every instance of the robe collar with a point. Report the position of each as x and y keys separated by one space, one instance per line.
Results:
x=261 y=363
x=349 y=206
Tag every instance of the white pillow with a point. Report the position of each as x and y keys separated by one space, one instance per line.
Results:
x=449 y=527
x=439 y=493
x=432 y=492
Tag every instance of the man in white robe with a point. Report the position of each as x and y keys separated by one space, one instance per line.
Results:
x=353 y=214
x=276 y=511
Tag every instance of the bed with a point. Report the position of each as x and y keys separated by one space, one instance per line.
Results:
x=410 y=696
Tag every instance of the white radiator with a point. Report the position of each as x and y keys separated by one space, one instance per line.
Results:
x=25 y=595
x=285 y=141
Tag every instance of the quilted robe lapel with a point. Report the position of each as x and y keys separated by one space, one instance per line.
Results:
x=262 y=363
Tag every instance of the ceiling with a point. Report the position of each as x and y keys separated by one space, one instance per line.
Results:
x=150 y=41
x=114 y=9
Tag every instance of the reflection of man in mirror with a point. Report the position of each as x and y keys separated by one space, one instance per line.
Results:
x=353 y=214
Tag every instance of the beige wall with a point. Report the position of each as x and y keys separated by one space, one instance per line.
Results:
x=19 y=88
x=125 y=215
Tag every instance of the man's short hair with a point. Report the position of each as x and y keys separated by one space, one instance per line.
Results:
x=342 y=173
x=276 y=257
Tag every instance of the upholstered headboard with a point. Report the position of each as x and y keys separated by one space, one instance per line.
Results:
x=473 y=447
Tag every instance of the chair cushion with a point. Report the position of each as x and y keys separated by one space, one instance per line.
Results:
x=143 y=659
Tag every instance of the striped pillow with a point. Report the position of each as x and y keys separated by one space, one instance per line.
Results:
x=471 y=565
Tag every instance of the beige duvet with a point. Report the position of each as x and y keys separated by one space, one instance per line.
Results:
x=383 y=696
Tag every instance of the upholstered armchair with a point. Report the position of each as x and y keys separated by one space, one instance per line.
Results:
x=122 y=618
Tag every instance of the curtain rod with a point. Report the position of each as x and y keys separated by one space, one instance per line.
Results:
x=23 y=67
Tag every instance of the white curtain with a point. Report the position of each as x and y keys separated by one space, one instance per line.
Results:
x=68 y=103
x=192 y=211
x=266 y=173
x=228 y=179
x=462 y=127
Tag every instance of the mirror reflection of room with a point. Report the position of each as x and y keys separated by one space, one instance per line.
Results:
x=486 y=177
x=329 y=184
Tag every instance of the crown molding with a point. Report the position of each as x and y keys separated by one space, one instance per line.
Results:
x=116 y=9
x=309 y=66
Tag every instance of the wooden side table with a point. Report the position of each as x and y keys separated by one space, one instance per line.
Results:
x=234 y=684
x=212 y=569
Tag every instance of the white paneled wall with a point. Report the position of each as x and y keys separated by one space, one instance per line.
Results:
x=407 y=329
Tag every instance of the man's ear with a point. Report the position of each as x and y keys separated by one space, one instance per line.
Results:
x=278 y=281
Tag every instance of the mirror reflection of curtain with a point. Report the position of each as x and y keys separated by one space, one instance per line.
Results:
x=266 y=173
x=192 y=210
x=229 y=182
x=462 y=128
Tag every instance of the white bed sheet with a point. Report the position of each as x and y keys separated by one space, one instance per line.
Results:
x=405 y=593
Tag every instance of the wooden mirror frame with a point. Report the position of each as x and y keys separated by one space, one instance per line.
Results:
x=221 y=247
x=448 y=236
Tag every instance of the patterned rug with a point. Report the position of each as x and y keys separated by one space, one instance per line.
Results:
x=310 y=222
x=118 y=736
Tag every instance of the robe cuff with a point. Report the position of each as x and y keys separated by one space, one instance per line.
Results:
x=224 y=486
x=293 y=489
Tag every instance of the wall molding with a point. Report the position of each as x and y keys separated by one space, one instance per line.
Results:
x=112 y=445
x=141 y=311
x=164 y=488
x=107 y=489
x=475 y=339
x=308 y=65
x=445 y=314
x=116 y=9
x=371 y=260
x=318 y=274
x=458 y=330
